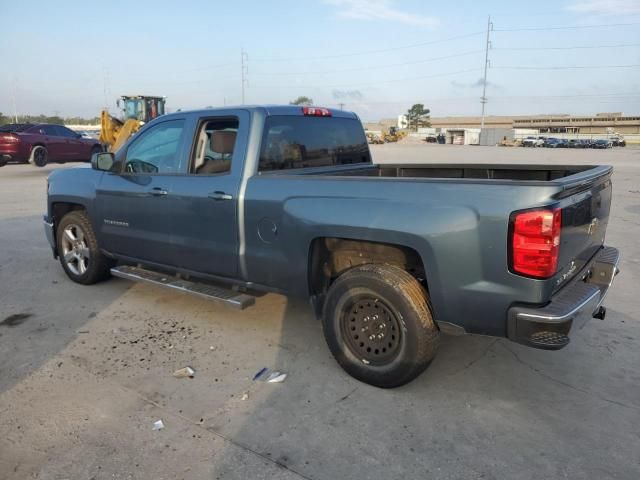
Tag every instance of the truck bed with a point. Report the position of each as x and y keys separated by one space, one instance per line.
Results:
x=565 y=175
x=488 y=172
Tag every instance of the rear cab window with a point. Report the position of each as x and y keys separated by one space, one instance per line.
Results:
x=291 y=142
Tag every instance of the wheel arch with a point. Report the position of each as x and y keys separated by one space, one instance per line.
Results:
x=61 y=208
x=34 y=145
x=329 y=257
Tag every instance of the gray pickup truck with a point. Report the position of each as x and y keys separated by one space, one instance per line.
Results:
x=225 y=202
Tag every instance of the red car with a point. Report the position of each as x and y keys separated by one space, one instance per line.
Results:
x=42 y=143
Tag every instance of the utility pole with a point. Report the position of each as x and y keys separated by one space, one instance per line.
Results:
x=105 y=86
x=244 y=69
x=13 y=99
x=483 y=99
x=341 y=105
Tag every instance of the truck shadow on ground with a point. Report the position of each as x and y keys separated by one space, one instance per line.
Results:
x=481 y=400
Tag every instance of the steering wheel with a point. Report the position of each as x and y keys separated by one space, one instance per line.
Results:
x=140 y=166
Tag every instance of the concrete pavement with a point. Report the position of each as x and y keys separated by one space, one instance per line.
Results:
x=85 y=371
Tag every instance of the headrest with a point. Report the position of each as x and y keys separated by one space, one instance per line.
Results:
x=222 y=141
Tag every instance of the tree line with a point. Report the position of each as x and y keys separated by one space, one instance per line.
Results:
x=4 y=119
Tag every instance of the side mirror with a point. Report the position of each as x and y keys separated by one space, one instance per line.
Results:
x=102 y=161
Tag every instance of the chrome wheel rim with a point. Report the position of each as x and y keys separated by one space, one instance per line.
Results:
x=75 y=251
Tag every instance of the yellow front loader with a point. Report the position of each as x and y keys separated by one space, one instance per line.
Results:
x=138 y=110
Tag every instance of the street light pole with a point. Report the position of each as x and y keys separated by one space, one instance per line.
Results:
x=483 y=99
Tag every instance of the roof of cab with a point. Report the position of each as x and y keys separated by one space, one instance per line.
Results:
x=268 y=110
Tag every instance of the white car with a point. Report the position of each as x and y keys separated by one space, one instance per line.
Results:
x=533 y=142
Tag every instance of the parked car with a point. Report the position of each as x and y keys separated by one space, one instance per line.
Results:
x=563 y=143
x=93 y=134
x=286 y=199
x=618 y=141
x=602 y=144
x=574 y=143
x=552 y=142
x=42 y=143
x=533 y=142
x=584 y=143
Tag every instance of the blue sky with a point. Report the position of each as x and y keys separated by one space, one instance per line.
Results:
x=376 y=56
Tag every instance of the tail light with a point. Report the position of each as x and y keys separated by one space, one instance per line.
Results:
x=9 y=138
x=535 y=242
x=316 y=112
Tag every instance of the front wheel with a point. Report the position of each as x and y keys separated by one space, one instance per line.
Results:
x=78 y=249
x=378 y=325
x=39 y=156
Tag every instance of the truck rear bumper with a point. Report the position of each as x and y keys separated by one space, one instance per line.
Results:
x=548 y=327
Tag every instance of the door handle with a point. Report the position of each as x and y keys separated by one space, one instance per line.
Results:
x=217 y=195
x=158 y=192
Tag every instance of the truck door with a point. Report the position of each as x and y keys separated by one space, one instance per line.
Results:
x=205 y=222
x=136 y=204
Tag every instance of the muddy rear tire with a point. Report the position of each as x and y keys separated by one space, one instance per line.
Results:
x=378 y=325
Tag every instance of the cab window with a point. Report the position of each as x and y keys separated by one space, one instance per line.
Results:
x=213 y=150
x=156 y=150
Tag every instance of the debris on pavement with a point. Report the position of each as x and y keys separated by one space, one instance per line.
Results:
x=270 y=376
x=276 y=377
x=158 y=425
x=184 y=372
x=245 y=396
x=260 y=373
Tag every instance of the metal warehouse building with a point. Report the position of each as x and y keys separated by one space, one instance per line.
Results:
x=599 y=124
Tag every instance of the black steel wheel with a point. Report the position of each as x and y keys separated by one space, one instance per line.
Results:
x=378 y=325
x=371 y=330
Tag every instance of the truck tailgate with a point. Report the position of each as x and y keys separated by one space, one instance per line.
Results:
x=585 y=214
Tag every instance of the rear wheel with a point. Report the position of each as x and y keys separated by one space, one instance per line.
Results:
x=80 y=255
x=378 y=325
x=39 y=156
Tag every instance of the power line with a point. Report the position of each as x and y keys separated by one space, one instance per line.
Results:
x=569 y=27
x=616 y=96
x=374 y=67
x=367 y=52
x=567 y=67
x=395 y=80
x=577 y=47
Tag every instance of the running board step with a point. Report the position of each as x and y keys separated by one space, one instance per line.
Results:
x=204 y=290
